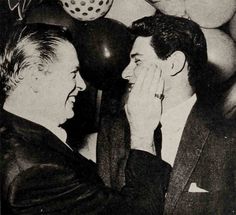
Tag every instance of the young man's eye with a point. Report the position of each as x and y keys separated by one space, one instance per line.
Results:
x=138 y=62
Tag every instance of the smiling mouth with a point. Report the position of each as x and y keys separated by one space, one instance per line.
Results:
x=72 y=99
x=130 y=86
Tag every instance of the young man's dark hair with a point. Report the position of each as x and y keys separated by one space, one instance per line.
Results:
x=170 y=34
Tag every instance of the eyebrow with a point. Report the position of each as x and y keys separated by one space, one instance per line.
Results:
x=135 y=55
x=153 y=1
x=76 y=69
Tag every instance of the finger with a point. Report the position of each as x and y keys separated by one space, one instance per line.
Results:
x=141 y=70
x=160 y=88
x=148 y=79
x=155 y=82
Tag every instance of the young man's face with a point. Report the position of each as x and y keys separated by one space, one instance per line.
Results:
x=142 y=54
x=60 y=87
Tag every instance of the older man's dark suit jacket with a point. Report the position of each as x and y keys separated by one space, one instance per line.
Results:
x=40 y=175
x=206 y=158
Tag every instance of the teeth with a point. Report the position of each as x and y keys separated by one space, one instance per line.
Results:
x=130 y=87
x=72 y=99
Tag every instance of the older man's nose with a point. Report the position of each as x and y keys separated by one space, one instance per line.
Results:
x=80 y=84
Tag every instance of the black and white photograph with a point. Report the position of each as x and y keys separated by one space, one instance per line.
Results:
x=118 y=107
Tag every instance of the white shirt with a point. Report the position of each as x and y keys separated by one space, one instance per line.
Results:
x=58 y=131
x=173 y=123
x=89 y=149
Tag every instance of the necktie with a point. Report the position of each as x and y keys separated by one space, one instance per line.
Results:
x=158 y=140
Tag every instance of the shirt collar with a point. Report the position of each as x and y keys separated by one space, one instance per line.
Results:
x=179 y=114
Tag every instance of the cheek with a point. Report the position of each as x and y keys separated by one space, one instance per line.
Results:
x=62 y=94
x=137 y=72
x=165 y=68
x=69 y=85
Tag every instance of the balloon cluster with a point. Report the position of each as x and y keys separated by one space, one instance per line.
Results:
x=103 y=49
x=217 y=19
x=103 y=45
x=127 y=11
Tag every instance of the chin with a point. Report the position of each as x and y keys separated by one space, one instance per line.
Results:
x=70 y=114
x=67 y=116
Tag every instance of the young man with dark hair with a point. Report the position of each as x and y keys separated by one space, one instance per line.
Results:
x=199 y=145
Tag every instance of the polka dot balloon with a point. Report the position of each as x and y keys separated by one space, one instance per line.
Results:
x=86 y=10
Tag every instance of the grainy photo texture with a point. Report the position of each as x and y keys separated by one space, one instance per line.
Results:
x=118 y=107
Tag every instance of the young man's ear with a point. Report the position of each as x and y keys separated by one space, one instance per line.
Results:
x=177 y=60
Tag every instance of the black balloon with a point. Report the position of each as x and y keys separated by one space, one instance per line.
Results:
x=7 y=20
x=49 y=12
x=103 y=48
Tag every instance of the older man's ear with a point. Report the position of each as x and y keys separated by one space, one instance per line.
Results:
x=177 y=61
x=34 y=77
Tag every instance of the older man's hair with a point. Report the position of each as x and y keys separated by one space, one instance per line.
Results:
x=28 y=46
x=170 y=34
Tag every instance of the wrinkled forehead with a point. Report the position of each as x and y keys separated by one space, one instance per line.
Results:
x=66 y=52
x=66 y=57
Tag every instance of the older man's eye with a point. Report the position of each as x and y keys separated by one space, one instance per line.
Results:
x=73 y=75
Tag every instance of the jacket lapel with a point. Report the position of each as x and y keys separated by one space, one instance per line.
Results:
x=37 y=132
x=57 y=145
x=193 y=139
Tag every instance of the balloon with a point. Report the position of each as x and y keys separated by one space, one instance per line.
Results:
x=210 y=13
x=103 y=45
x=221 y=51
x=127 y=11
x=85 y=10
x=49 y=12
x=229 y=105
x=232 y=27
x=7 y=20
x=170 y=7
x=103 y=49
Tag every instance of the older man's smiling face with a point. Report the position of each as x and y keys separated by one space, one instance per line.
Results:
x=62 y=84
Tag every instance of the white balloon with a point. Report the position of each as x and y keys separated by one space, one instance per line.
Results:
x=229 y=106
x=86 y=10
x=232 y=27
x=210 y=13
x=221 y=52
x=170 y=7
x=127 y=11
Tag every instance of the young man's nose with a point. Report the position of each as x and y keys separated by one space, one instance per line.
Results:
x=128 y=72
